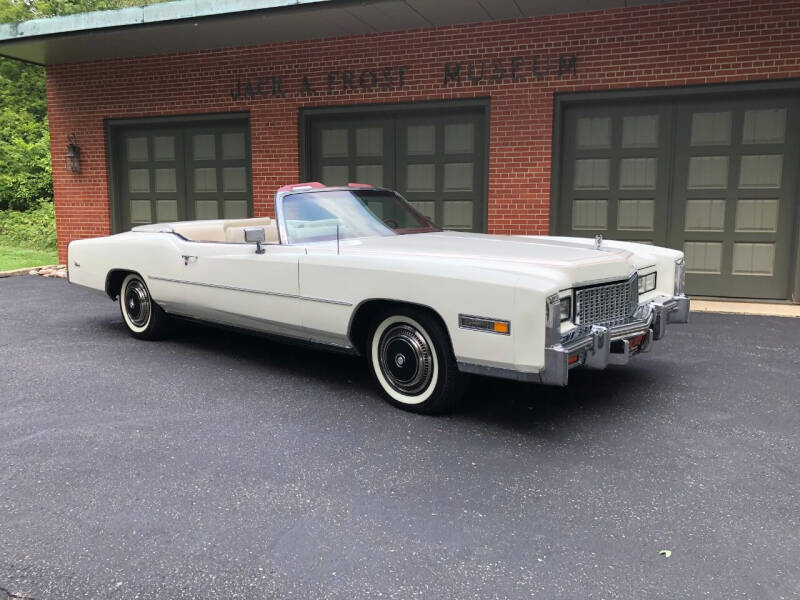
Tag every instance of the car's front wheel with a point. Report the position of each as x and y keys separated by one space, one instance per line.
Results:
x=412 y=362
x=145 y=319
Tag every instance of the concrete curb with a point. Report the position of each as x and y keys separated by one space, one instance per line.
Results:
x=25 y=271
x=746 y=308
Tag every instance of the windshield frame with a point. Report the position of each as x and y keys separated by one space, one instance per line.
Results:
x=284 y=234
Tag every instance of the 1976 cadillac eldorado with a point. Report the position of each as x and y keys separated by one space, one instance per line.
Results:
x=360 y=270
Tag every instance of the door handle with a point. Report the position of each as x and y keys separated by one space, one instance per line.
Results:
x=187 y=258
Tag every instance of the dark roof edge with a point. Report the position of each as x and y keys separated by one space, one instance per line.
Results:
x=153 y=14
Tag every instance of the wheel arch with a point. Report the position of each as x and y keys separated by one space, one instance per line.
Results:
x=366 y=310
x=114 y=280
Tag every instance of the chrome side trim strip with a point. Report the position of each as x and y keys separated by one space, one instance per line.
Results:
x=499 y=372
x=300 y=335
x=251 y=291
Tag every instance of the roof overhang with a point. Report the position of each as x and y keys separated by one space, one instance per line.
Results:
x=189 y=25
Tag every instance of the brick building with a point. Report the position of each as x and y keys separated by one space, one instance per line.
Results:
x=669 y=123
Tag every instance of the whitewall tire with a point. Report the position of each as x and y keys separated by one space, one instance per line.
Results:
x=144 y=319
x=411 y=360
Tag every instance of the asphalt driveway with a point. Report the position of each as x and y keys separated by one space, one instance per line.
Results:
x=218 y=465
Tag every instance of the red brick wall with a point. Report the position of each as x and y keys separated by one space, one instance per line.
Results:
x=686 y=43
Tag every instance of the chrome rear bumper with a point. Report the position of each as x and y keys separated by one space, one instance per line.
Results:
x=600 y=346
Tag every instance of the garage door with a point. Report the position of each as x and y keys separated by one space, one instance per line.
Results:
x=436 y=160
x=187 y=172
x=716 y=179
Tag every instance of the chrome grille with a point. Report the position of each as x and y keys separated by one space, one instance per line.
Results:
x=607 y=303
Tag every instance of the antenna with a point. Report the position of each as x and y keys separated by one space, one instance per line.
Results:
x=337 y=238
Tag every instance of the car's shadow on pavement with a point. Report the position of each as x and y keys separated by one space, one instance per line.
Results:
x=522 y=407
x=530 y=407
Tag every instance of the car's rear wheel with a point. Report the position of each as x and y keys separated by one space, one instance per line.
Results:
x=145 y=319
x=412 y=362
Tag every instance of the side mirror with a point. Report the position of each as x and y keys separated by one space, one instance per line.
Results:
x=255 y=235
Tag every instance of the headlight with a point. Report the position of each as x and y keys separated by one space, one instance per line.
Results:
x=647 y=283
x=565 y=306
x=680 y=276
x=552 y=325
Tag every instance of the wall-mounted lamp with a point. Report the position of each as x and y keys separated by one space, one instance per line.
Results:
x=73 y=156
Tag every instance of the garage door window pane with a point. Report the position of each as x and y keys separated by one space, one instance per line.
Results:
x=164 y=147
x=369 y=141
x=421 y=178
x=761 y=171
x=458 y=177
x=371 y=174
x=138 y=181
x=457 y=214
x=640 y=131
x=426 y=208
x=764 y=126
x=334 y=143
x=165 y=180
x=421 y=140
x=234 y=179
x=703 y=257
x=206 y=209
x=334 y=175
x=590 y=214
x=708 y=172
x=591 y=174
x=233 y=146
x=635 y=215
x=756 y=215
x=711 y=129
x=705 y=215
x=594 y=132
x=205 y=180
x=167 y=210
x=637 y=174
x=459 y=138
x=235 y=209
x=137 y=149
x=753 y=259
x=204 y=147
x=376 y=208
x=140 y=211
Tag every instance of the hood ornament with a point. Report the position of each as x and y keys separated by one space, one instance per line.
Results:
x=598 y=241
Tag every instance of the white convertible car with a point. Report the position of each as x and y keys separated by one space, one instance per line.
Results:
x=359 y=270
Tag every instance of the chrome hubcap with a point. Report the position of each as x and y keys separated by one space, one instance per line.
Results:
x=406 y=359
x=137 y=303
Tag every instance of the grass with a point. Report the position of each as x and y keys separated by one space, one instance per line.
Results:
x=12 y=257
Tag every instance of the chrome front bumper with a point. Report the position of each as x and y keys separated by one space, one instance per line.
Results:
x=599 y=346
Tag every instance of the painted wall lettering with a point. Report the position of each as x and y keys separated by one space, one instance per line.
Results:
x=514 y=69
x=334 y=82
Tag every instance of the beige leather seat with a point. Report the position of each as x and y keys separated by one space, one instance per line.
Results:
x=231 y=230
x=234 y=229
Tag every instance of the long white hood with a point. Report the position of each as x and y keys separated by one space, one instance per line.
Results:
x=560 y=261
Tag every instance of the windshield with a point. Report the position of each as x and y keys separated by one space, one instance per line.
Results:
x=315 y=216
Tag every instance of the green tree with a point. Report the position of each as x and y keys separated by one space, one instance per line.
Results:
x=25 y=172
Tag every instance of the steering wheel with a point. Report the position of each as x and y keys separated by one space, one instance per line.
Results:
x=391 y=223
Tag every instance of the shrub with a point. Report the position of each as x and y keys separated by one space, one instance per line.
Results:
x=25 y=174
x=25 y=177
x=32 y=229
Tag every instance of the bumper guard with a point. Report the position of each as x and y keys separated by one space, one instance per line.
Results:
x=600 y=346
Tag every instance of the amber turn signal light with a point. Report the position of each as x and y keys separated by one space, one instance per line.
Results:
x=500 y=327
